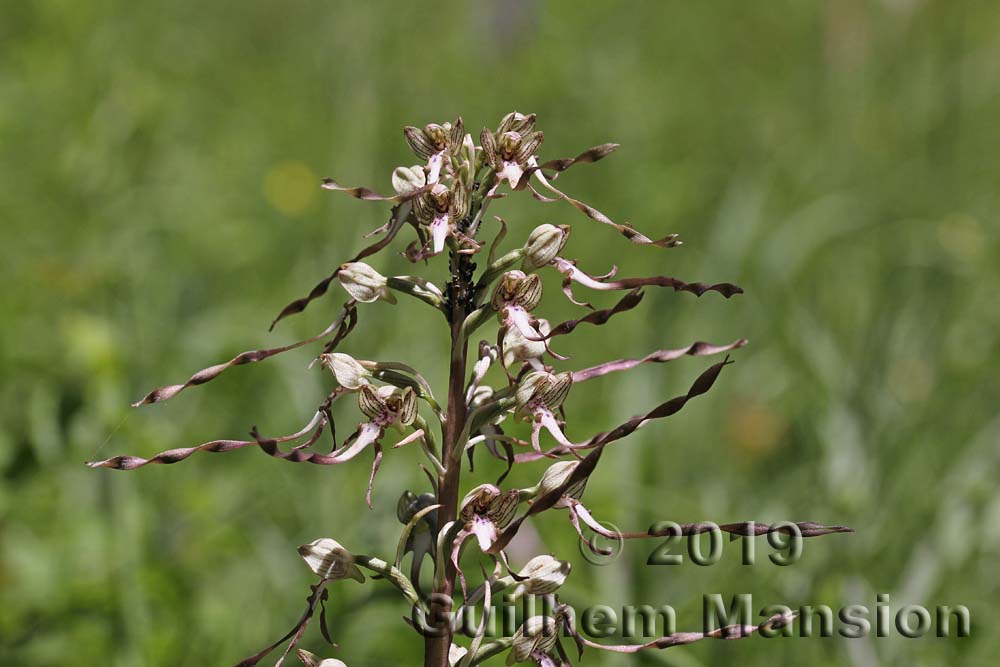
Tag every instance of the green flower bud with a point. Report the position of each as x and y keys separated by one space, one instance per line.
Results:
x=349 y=373
x=545 y=574
x=406 y=506
x=544 y=243
x=407 y=179
x=556 y=475
x=312 y=660
x=327 y=558
x=364 y=283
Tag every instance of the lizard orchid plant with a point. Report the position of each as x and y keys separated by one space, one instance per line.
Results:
x=444 y=200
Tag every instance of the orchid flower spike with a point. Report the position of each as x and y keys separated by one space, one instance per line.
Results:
x=444 y=197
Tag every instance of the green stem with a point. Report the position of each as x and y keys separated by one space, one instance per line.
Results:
x=392 y=575
x=437 y=642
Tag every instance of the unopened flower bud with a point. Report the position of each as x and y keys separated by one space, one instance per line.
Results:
x=364 y=283
x=327 y=558
x=406 y=506
x=407 y=179
x=410 y=503
x=349 y=373
x=312 y=660
x=481 y=395
x=544 y=243
x=555 y=476
x=545 y=574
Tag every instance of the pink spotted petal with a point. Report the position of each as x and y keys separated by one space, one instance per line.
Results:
x=485 y=532
x=440 y=229
x=434 y=167
x=511 y=172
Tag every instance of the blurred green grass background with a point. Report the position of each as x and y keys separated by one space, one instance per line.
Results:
x=159 y=204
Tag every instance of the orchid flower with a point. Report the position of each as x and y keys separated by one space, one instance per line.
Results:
x=485 y=510
x=543 y=245
x=553 y=478
x=508 y=150
x=440 y=210
x=515 y=296
x=434 y=143
x=385 y=407
x=519 y=348
x=349 y=373
x=536 y=639
x=538 y=396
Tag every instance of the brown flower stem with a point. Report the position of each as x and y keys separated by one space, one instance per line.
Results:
x=438 y=641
